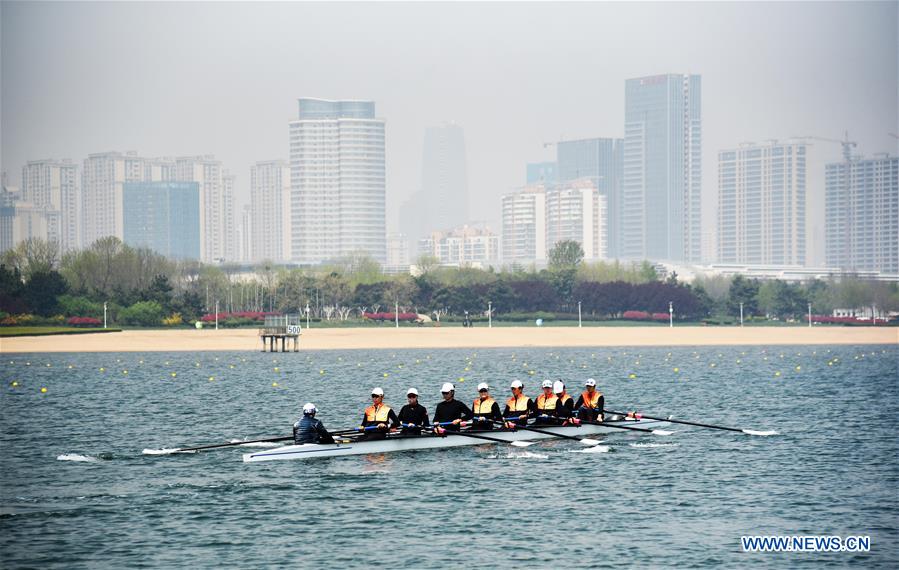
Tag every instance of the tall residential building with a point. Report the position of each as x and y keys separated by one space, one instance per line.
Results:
x=52 y=185
x=577 y=211
x=245 y=234
x=761 y=204
x=461 y=246
x=337 y=181
x=270 y=207
x=600 y=161
x=102 y=178
x=163 y=216
x=660 y=201
x=397 y=251
x=544 y=173
x=442 y=200
x=524 y=225
x=217 y=233
x=21 y=220
x=862 y=214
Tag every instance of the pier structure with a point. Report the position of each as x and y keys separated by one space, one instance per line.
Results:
x=283 y=328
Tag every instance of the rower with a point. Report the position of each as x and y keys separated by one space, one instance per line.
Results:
x=565 y=404
x=450 y=410
x=377 y=414
x=485 y=409
x=310 y=430
x=413 y=414
x=590 y=403
x=546 y=405
x=519 y=407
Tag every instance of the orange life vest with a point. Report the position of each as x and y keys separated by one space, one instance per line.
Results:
x=377 y=415
x=591 y=401
x=565 y=397
x=547 y=403
x=519 y=404
x=482 y=407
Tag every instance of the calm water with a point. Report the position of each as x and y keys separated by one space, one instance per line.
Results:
x=77 y=492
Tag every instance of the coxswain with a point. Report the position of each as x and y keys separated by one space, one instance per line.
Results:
x=519 y=407
x=546 y=405
x=590 y=403
x=450 y=411
x=413 y=416
x=485 y=409
x=377 y=414
x=310 y=430
x=564 y=405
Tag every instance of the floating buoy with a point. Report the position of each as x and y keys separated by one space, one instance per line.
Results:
x=174 y=374
x=712 y=365
x=274 y=384
x=276 y=369
x=48 y=365
x=531 y=372
x=102 y=369
x=676 y=369
x=777 y=373
x=211 y=378
x=798 y=368
x=632 y=375
x=43 y=390
x=386 y=375
x=322 y=371
x=124 y=372
x=14 y=384
x=461 y=379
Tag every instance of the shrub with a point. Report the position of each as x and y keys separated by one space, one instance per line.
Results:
x=83 y=322
x=143 y=313
x=172 y=320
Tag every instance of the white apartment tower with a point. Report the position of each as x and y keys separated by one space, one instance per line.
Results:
x=576 y=211
x=337 y=180
x=524 y=225
x=461 y=246
x=761 y=204
x=217 y=234
x=101 y=193
x=52 y=186
x=270 y=211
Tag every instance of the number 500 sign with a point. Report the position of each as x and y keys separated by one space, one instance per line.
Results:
x=293 y=329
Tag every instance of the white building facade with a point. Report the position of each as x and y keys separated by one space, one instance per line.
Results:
x=217 y=232
x=102 y=177
x=462 y=246
x=338 y=184
x=52 y=186
x=762 y=204
x=524 y=225
x=270 y=211
x=576 y=211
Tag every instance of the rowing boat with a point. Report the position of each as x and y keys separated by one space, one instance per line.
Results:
x=411 y=442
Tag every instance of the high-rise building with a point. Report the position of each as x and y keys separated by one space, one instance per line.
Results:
x=102 y=178
x=761 y=204
x=862 y=214
x=163 y=216
x=246 y=234
x=397 y=252
x=576 y=211
x=52 y=185
x=442 y=200
x=544 y=173
x=660 y=200
x=337 y=180
x=270 y=207
x=524 y=225
x=464 y=245
x=21 y=220
x=600 y=161
x=217 y=235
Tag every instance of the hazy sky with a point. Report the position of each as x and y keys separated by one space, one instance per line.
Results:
x=168 y=79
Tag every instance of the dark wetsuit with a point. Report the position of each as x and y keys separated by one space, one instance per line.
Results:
x=413 y=414
x=449 y=411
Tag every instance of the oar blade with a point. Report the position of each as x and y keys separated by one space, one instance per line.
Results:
x=162 y=451
x=661 y=432
x=590 y=442
x=523 y=443
x=761 y=433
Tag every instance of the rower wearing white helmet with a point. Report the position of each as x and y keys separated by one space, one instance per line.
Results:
x=590 y=403
x=485 y=408
x=546 y=405
x=565 y=404
x=378 y=415
x=450 y=411
x=310 y=430
x=519 y=407
x=413 y=416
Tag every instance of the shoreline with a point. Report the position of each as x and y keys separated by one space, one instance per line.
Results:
x=450 y=337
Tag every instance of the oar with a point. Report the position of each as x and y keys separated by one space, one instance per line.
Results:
x=616 y=426
x=584 y=440
x=486 y=438
x=685 y=422
x=214 y=446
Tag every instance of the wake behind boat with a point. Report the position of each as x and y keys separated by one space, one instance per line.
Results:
x=450 y=439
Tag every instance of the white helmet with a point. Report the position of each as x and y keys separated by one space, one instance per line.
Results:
x=412 y=392
x=516 y=384
x=590 y=382
x=309 y=409
x=377 y=392
x=447 y=387
x=483 y=386
x=558 y=387
x=547 y=384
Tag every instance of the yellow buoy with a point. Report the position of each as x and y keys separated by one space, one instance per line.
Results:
x=676 y=369
x=321 y=371
x=124 y=372
x=48 y=365
x=211 y=378
x=43 y=390
x=798 y=368
x=174 y=374
x=777 y=373
x=102 y=370
x=632 y=375
x=712 y=365
x=276 y=368
x=531 y=372
x=461 y=379
x=386 y=375
x=15 y=384
x=274 y=384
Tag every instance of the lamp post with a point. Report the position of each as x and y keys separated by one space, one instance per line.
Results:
x=809 y=315
x=741 y=314
x=670 y=315
x=579 y=324
x=489 y=314
x=307 y=314
x=216 y=315
x=396 y=313
x=104 y=314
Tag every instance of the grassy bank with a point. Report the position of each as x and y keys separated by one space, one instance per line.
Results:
x=45 y=331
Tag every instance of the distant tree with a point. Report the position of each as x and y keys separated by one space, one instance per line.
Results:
x=745 y=291
x=11 y=290
x=144 y=313
x=426 y=264
x=33 y=256
x=566 y=254
x=42 y=291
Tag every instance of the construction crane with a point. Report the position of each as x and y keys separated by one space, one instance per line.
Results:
x=848 y=145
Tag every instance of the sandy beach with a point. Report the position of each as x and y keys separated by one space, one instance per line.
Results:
x=453 y=337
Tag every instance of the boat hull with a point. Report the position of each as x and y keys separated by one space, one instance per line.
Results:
x=409 y=443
